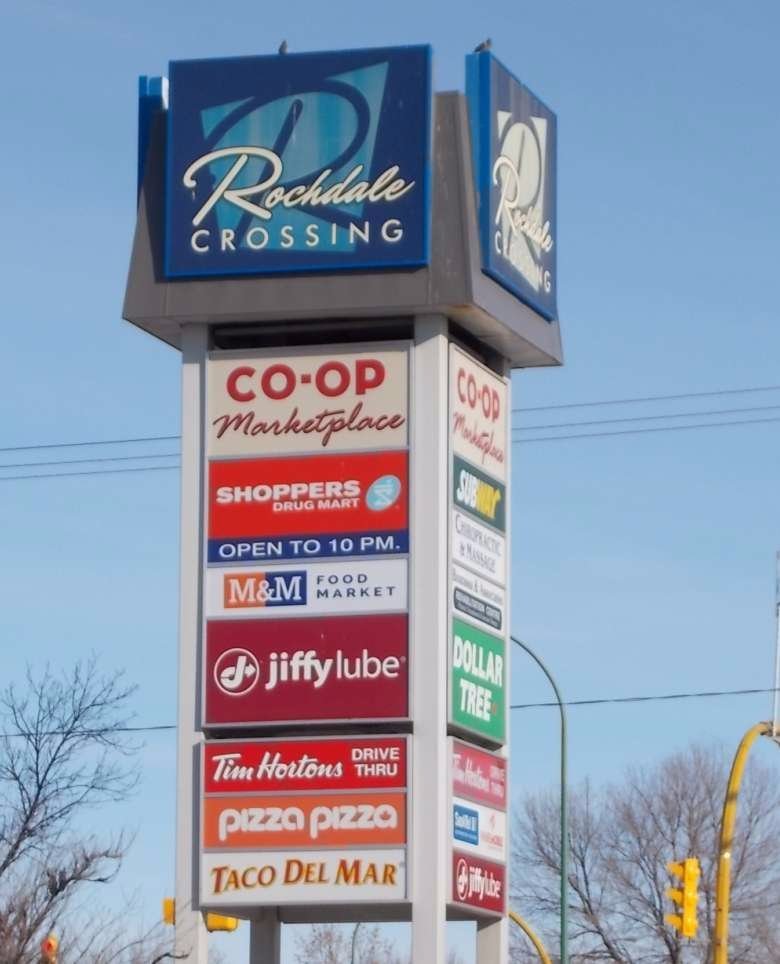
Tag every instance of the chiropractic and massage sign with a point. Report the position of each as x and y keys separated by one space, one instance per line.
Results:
x=478 y=549
x=303 y=820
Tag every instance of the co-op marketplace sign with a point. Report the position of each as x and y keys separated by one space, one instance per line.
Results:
x=294 y=163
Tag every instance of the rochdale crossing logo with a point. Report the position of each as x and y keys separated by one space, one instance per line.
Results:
x=514 y=140
x=293 y=163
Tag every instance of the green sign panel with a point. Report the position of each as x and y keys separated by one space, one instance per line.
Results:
x=478 y=494
x=477 y=682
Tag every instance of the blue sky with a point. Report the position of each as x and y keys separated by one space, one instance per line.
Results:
x=642 y=563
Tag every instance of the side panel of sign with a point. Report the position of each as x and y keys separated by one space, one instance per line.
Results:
x=478 y=682
x=338 y=876
x=515 y=140
x=478 y=883
x=283 y=671
x=478 y=415
x=344 y=399
x=478 y=775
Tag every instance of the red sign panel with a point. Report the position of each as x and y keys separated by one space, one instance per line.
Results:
x=479 y=776
x=478 y=883
x=263 y=766
x=336 y=668
x=313 y=495
x=305 y=820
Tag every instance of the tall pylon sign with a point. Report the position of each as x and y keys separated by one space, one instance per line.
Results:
x=349 y=304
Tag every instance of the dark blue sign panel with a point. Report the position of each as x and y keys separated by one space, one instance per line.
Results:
x=513 y=138
x=298 y=162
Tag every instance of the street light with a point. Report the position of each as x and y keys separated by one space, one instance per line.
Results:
x=564 y=803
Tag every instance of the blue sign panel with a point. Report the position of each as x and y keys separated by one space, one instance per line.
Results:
x=513 y=138
x=298 y=162
x=465 y=824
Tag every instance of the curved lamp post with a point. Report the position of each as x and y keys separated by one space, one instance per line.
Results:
x=564 y=804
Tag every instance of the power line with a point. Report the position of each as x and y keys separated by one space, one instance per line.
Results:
x=651 y=398
x=110 y=441
x=704 y=694
x=646 y=418
x=71 y=475
x=641 y=431
x=107 y=458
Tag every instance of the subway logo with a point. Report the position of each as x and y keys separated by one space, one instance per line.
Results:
x=478 y=494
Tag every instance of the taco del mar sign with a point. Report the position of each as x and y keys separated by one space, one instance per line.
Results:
x=294 y=162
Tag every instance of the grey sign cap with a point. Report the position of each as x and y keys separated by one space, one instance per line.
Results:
x=453 y=283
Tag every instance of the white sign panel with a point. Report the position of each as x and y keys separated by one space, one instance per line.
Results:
x=252 y=592
x=478 y=414
x=478 y=548
x=302 y=877
x=478 y=599
x=299 y=401
x=478 y=829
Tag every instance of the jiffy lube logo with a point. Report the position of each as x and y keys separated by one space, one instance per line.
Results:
x=293 y=163
x=514 y=137
x=333 y=668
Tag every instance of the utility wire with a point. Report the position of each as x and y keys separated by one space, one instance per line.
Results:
x=108 y=458
x=516 y=441
x=705 y=694
x=651 y=398
x=646 y=418
x=110 y=441
x=67 y=475
x=641 y=431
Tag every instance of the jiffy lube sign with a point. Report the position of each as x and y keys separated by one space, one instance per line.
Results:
x=294 y=162
x=478 y=413
x=514 y=146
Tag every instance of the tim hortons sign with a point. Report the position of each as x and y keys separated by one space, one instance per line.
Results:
x=311 y=765
x=307 y=400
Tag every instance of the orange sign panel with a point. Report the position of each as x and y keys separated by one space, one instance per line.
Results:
x=328 y=820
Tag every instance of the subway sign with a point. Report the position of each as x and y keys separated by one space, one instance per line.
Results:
x=294 y=163
x=514 y=138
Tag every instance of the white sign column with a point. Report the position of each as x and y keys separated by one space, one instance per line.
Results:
x=190 y=938
x=429 y=640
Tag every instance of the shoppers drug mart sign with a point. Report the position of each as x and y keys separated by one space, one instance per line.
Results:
x=294 y=162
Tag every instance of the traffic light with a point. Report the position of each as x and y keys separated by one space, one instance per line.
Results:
x=49 y=947
x=216 y=922
x=686 y=899
x=169 y=910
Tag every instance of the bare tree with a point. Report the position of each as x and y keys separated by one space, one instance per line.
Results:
x=65 y=749
x=351 y=944
x=621 y=838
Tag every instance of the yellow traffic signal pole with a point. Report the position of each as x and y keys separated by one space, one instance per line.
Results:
x=723 y=882
x=544 y=957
